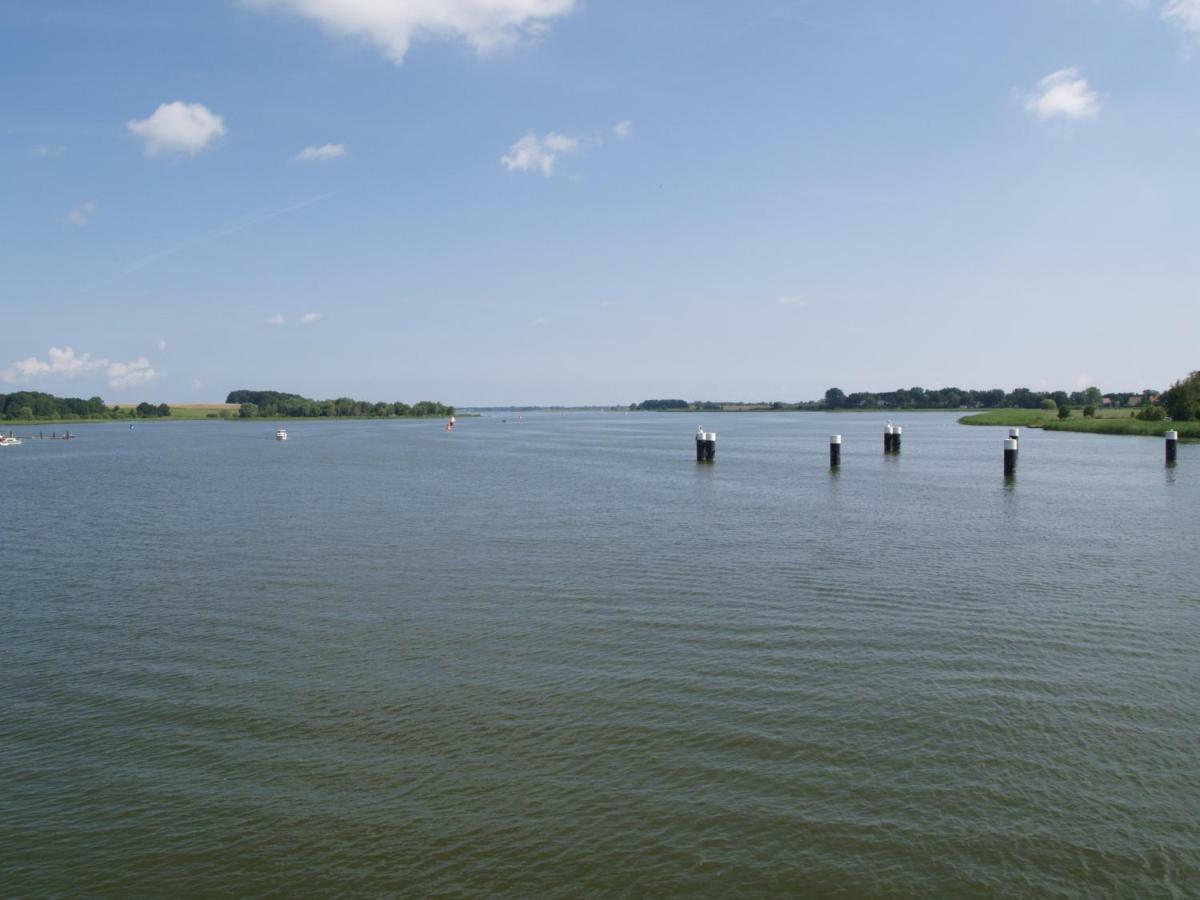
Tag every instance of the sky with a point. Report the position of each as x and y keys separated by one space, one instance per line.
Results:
x=596 y=201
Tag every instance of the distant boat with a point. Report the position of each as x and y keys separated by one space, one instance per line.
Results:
x=281 y=435
x=7 y=440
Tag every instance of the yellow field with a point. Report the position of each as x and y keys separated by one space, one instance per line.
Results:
x=190 y=410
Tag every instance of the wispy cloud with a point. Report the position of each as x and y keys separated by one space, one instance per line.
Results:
x=394 y=24
x=64 y=362
x=324 y=153
x=1183 y=14
x=224 y=231
x=161 y=344
x=178 y=127
x=311 y=318
x=1064 y=93
x=48 y=151
x=82 y=214
x=623 y=130
x=794 y=300
x=276 y=319
x=533 y=153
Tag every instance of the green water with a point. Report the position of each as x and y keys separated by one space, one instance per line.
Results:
x=557 y=657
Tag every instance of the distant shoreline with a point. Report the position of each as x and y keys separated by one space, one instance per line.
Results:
x=1109 y=422
x=7 y=425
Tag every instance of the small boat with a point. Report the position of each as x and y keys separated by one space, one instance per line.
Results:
x=281 y=434
x=7 y=440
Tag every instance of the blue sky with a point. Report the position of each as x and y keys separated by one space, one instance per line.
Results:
x=578 y=201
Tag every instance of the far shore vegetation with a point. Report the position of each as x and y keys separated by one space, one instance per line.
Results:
x=914 y=399
x=29 y=407
x=1176 y=409
x=273 y=405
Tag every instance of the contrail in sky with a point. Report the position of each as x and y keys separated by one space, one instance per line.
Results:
x=224 y=231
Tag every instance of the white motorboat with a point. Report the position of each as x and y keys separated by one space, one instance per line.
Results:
x=281 y=434
x=7 y=440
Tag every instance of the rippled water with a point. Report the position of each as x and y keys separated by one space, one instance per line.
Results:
x=556 y=656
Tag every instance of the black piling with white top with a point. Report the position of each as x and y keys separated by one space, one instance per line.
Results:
x=895 y=438
x=835 y=451
x=1010 y=457
x=710 y=446
x=700 y=444
x=1014 y=434
x=1172 y=440
x=887 y=438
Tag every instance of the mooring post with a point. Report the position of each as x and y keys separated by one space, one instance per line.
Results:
x=1010 y=457
x=895 y=438
x=1014 y=434
x=887 y=438
x=700 y=444
x=710 y=446
x=835 y=451
x=1172 y=440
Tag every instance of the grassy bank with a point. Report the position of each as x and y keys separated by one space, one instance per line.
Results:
x=1113 y=425
x=1029 y=418
x=1106 y=421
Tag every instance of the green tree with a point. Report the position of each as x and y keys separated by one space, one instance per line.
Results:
x=1182 y=400
x=1047 y=404
x=1089 y=412
x=835 y=398
x=1064 y=412
x=248 y=410
x=1152 y=413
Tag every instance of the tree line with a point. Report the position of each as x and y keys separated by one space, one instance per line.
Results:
x=959 y=398
x=31 y=405
x=667 y=405
x=275 y=404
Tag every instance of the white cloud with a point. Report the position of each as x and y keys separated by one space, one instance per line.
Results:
x=178 y=128
x=1063 y=93
x=197 y=384
x=161 y=343
x=130 y=374
x=623 y=130
x=48 y=151
x=310 y=318
x=81 y=214
x=395 y=24
x=276 y=319
x=538 y=154
x=323 y=153
x=794 y=301
x=1184 y=14
x=65 y=362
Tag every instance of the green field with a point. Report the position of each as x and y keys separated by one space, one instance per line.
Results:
x=200 y=410
x=1106 y=421
x=1030 y=418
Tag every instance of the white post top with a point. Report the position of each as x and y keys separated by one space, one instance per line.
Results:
x=1172 y=435
x=835 y=439
x=1014 y=432
x=889 y=429
x=895 y=429
x=700 y=432
x=1010 y=444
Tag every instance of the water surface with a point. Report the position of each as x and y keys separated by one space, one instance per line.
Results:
x=556 y=656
